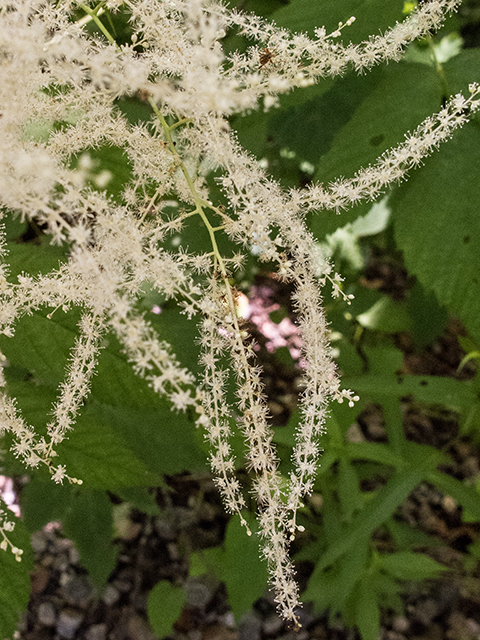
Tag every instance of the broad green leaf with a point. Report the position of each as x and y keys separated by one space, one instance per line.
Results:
x=453 y=394
x=429 y=319
x=140 y=498
x=407 y=565
x=103 y=457
x=165 y=604
x=245 y=575
x=153 y=435
x=34 y=259
x=402 y=97
x=322 y=590
x=107 y=162
x=384 y=360
x=43 y=502
x=42 y=346
x=14 y=578
x=371 y=16
x=126 y=435
x=89 y=524
x=437 y=226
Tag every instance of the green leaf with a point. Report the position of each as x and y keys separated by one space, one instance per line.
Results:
x=34 y=259
x=371 y=16
x=348 y=488
x=376 y=512
x=453 y=394
x=386 y=315
x=442 y=245
x=245 y=575
x=375 y=452
x=89 y=524
x=407 y=565
x=14 y=578
x=367 y=610
x=140 y=498
x=406 y=537
x=429 y=319
x=402 y=96
x=43 y=502
x=126 y=435
x=98 y=453
x=165 y=604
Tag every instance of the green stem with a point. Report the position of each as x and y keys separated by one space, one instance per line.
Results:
x=199 y=202
x=94 y=15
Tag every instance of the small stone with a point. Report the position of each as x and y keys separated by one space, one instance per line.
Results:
x=198 y=594
x=39 y=579
x=272 y=625
x=96 y=632
x=110 y=595
x=250 y=627
x=275 y=408
x=355 y=434
x=46 y=614
x=164 y=529
x=68 y=622
x=139 y=629
x=39 y=542
x=78 y=591
x=449 y=504
x=74 y=556
x=426 y=611
x=400 y=624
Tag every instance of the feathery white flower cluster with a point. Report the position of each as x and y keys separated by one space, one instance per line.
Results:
x=52 y=72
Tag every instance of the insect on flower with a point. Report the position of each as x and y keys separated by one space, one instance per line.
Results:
x=266 y=56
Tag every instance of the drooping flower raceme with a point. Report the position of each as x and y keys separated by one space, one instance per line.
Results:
x=54 y=71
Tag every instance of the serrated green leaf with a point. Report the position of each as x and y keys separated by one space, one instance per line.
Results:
x=403 y=95
x=14 y=578
x=126 y=434
x=98 y=454
x=34 y=259
x=438 y=228
x=407 y=565
x=43 y=502
x=88 y=522
x=165 y=604
x=242 y=567
x=406 y=537
x=429 y=319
